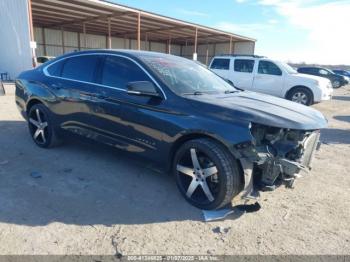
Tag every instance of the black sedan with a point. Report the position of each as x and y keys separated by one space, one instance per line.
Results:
x=336 y=80
x=217 y=141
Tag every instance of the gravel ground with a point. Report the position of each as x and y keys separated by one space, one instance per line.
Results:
x=84 y=198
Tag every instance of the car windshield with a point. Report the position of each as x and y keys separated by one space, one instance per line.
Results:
x=184 y=76
x=287 y=67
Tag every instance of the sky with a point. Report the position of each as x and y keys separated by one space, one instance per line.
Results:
x=311 y=31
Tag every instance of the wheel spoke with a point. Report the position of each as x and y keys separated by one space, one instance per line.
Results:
x=38 y=115
x=37 y=133
x=192 y=187
x=34 y=122
x=185 y=170
x=194 y=158
x=43 y=135
x=44 y=124
x=210 y=171
x=207 y=191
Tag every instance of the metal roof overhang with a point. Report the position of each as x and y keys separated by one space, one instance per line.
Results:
x=101 y=17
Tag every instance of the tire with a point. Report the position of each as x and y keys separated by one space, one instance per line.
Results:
x=301 y=95
x=218 y=173
x=336 y=84
x=41 y=127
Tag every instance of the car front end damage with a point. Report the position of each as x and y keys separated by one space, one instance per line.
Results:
x=275 y=156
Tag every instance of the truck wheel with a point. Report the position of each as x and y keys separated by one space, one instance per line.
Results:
x=301 y=95
x=206 y=174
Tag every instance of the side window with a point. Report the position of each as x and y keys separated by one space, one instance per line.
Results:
x=118 y=71
x=244 y=65
x=80 y=68
x=220 y=63
x=323 y=72
x=55 y=69
x=269 y=68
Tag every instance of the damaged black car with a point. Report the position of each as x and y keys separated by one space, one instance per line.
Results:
x=217 y=141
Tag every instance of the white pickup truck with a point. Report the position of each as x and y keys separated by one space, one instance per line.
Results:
x=260 y=74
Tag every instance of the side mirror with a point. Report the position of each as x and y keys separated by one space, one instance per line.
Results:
x=142 y=88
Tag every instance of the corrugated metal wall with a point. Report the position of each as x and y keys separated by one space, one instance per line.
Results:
x=54 y=47
x=15 y=53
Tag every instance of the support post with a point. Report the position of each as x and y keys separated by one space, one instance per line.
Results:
x=139 y=31
x=109 y=39
x=31 y=31
x=62 y=36
x=84 y=34
x=231 y=45
x=44 y=40
x=78 y=39
x=146 y=42
x=195 y=45
x=207 y=55
x=169 y=45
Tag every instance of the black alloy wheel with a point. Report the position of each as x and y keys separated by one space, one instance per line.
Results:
x=41 y=129
x=206 y=174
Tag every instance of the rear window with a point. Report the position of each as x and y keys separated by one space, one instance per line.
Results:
x=244 y=65
x=221 y=63
x=80 y=68
x=55 y=69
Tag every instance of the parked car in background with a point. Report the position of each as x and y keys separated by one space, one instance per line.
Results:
x=43 y=59
x=336 y=80
x=344 y=73
x=341 y=72
x=263 y=75
x=215 y=139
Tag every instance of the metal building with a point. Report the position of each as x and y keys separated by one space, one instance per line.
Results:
x=31 y=28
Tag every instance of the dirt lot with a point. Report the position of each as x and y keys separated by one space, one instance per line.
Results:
x=90 y=199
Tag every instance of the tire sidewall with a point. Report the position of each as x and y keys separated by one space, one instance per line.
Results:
x=222 y=177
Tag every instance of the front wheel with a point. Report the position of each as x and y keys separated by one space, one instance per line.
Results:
x=206 y=173
x=41 y=127
x=301 y=95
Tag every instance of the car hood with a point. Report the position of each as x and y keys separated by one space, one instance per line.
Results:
x=262 y=109
x=318 y=78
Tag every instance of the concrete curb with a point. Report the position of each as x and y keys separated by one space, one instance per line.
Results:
x=8 y=88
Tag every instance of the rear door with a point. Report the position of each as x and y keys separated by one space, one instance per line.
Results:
x=242 y=74
x=221 y=66
x=269 y=79
x=73 y=82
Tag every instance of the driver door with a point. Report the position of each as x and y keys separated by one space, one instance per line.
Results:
x=129 y=122
x=269 y=79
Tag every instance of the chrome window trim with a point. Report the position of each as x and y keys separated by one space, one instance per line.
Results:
x=46 y=73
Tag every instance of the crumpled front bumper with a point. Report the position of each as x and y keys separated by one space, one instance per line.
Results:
x=267 y=173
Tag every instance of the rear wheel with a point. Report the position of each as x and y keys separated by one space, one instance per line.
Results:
x=206 y=173
x=41 y=127
x=336 y=84
x=301 y=95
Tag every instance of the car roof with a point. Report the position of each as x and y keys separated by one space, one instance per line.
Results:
x=127 y=52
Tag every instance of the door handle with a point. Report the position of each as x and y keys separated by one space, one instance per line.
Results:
x=56 y=86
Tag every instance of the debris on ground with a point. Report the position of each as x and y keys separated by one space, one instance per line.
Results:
x=221 y=230
x=35 y=175
x=4 y=162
